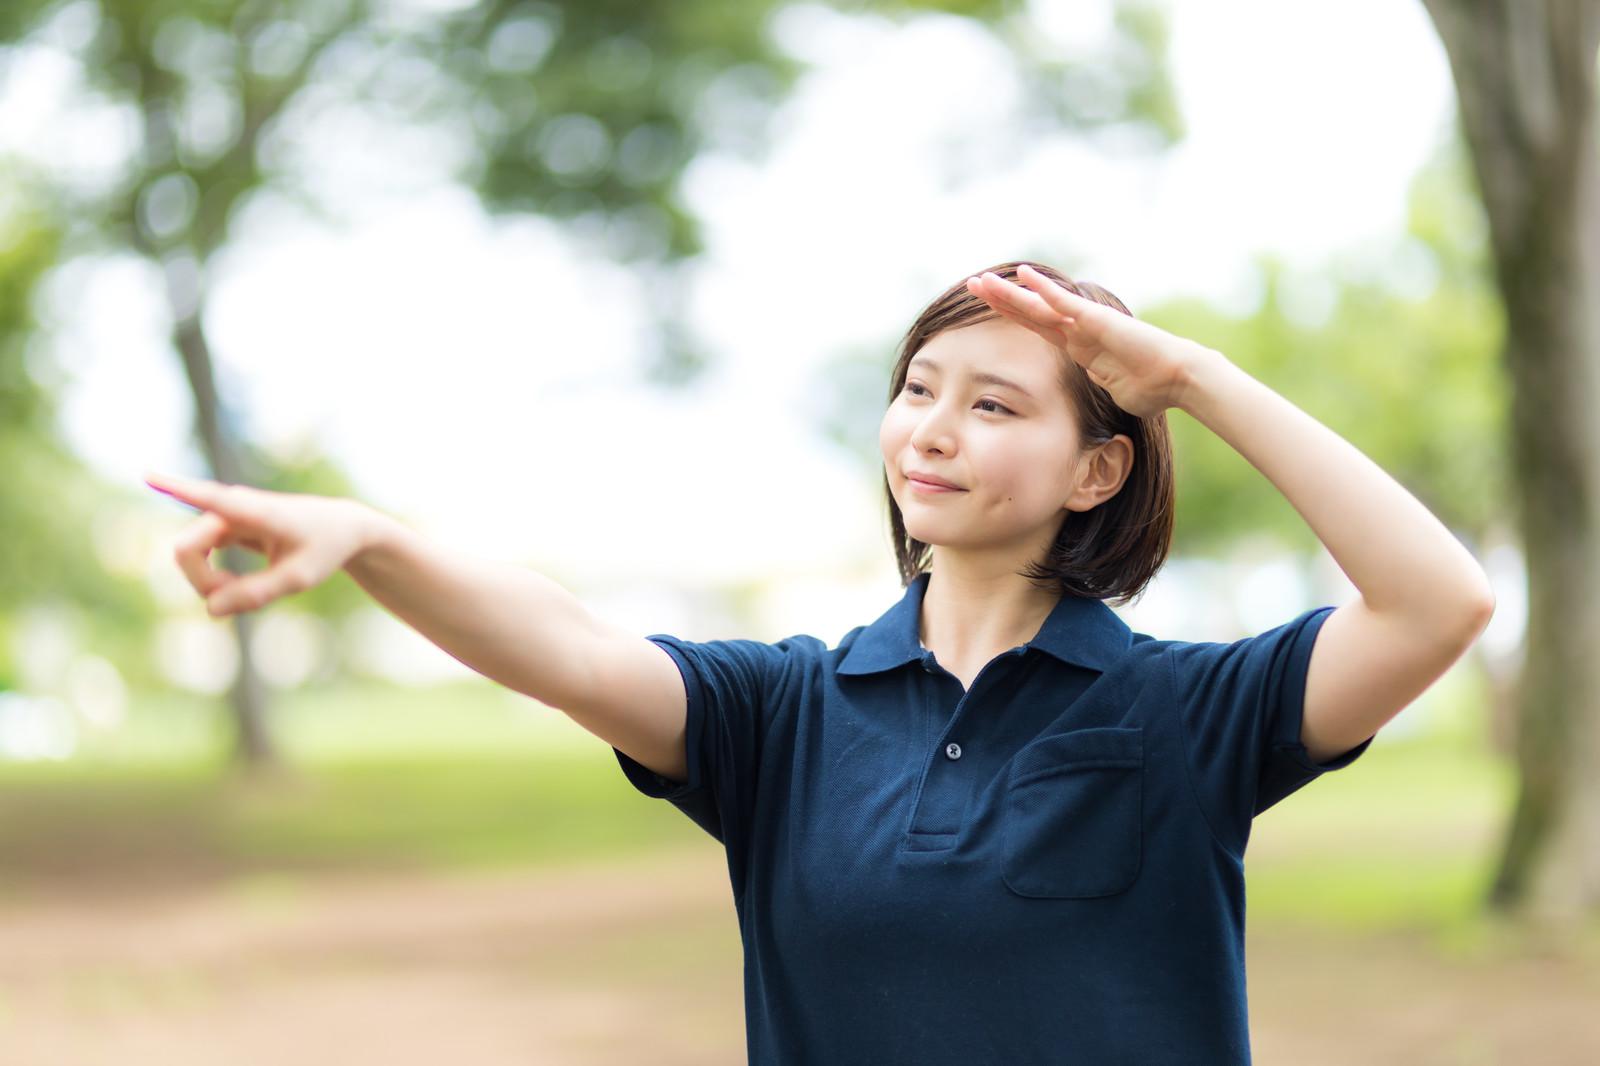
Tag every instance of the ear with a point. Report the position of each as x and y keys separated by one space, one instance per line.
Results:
x=1101 y=473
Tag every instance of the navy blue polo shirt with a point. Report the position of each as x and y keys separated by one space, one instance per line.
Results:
x=1046 y=868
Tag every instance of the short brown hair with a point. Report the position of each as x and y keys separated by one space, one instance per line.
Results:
x=1110 y=551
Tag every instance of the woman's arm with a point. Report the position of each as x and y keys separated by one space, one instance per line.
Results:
x=508 y=623
x=1424 y=598
x=1405 y=562
x=525 y=631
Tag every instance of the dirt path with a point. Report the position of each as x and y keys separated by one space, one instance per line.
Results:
x=1319 y=999
x=607 y=963
x=576 y=966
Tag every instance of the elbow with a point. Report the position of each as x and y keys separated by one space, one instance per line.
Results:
x=1478 y=611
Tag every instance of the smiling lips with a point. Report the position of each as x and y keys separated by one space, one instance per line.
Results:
x=932 y=483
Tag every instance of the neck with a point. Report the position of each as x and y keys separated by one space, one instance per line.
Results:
x=971 y=612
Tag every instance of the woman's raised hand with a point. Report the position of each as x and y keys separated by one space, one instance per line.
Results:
x=1142 y=366
x=305 y=539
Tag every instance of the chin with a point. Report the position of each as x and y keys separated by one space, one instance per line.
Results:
x=927 y=532
x=919 y=530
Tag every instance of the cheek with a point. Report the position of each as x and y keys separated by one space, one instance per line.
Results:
x=1026 y=478
x=1009 y=485
x=893 y=432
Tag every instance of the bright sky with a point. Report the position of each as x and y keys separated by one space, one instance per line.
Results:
x=475 y=376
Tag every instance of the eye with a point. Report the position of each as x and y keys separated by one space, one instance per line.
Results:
x=999 y=407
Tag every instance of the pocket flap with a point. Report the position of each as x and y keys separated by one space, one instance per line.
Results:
x=1100 y=746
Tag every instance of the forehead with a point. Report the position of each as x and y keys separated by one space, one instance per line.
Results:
x=998 y=347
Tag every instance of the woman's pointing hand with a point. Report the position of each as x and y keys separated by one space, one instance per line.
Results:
x=305 y=539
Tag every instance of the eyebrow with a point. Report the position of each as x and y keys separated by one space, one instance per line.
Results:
x=982 y=377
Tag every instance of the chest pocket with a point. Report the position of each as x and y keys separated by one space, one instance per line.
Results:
x=1071 y=819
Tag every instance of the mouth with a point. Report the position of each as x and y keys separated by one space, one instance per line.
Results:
x=930 y=487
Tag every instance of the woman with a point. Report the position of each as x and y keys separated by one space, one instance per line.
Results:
x=995 y=825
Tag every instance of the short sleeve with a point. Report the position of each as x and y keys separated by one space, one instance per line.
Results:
x=1241 y=706
x=730 y=686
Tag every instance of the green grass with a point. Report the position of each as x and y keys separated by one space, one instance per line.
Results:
x=458 y=776
x=390 y=813
x=1405 y=838
x=352 y=720
x=472 y=775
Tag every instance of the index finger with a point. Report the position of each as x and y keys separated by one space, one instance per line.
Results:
x=196 y=492
x=990 y=286
x=1057 y=296
x=1051 y=334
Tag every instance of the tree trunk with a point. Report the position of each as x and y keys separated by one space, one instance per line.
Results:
x=247 y=697
x=182 y=258
x=1524 y=74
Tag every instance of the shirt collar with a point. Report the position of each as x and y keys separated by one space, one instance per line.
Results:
x=1081 y=631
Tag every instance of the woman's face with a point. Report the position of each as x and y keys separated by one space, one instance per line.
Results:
x=1012 y=448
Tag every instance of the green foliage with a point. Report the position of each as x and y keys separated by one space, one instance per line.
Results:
x=29 y=244
x=1414 y=381
x=17 y=17
x=586 y=113
x=50 y=508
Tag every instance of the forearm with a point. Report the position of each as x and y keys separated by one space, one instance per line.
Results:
x=1403 y=560
x=507 y=622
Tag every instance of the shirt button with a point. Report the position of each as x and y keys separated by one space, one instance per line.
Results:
x=952 y=750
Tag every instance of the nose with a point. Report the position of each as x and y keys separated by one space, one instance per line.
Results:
x=933 y=432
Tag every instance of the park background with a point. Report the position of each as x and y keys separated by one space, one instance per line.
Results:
x=614 y=293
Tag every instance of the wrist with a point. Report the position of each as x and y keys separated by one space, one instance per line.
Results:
x=374 y=530
x=1201 y=370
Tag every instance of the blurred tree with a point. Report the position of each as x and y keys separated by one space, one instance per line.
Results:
x=48 y=503
x=583 y=112
x=1525 y=81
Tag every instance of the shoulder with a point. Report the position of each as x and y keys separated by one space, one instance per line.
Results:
x=796 y=646
x=1248 y=665
x=1143 y=663
x=1148 y=656
x=745 y=655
